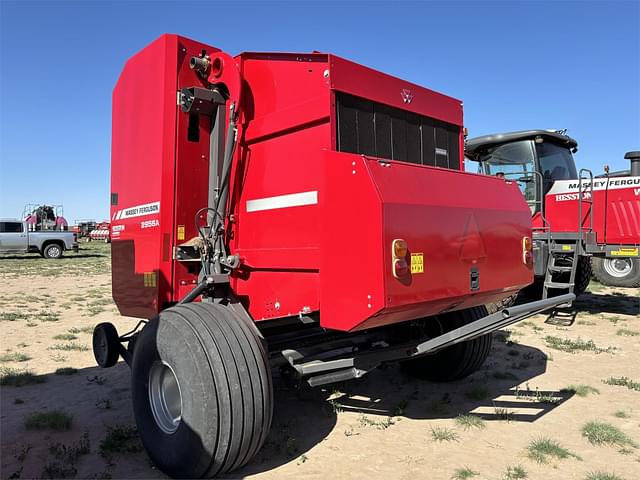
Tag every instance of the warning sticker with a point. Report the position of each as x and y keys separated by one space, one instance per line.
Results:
x=180 y=232
x=624 y=252
x=150 y=279
x=417 y=263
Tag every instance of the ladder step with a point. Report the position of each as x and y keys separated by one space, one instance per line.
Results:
x=554 y=268
x=563 y=248
x=557 y=285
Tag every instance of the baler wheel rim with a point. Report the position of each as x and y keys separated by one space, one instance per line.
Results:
x=165 y=397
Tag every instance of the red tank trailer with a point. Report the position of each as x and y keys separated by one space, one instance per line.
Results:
x=101 y=233
x=292 y=209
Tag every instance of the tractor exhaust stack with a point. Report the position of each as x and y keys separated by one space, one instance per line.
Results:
x=634 y=161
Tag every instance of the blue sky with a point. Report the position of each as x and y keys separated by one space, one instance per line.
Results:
x=516 y=65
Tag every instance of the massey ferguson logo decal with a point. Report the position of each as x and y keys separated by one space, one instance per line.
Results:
x=137 y=211
x=406 y=95
x=565 y=187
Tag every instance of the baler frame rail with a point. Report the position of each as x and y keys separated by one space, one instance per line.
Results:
x=317 y=371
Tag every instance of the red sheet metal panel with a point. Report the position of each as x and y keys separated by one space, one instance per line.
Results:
x=143 y=174
x=453 y=221
x=355 y=79
x=616 y=208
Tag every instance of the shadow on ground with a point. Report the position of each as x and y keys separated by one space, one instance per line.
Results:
x=303 y=417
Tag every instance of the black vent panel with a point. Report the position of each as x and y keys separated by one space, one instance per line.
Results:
x=374 y=129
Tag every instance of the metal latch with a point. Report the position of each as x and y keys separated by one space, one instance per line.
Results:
x=474 y=276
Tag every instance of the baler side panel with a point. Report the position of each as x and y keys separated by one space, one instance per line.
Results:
x=276 y=183
x=351 y=258
x=276 y=226
x=458 y=221
x=447 y=219
x=143 y=148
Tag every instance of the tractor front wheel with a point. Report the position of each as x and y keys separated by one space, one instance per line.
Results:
x=617 y=272
x=457 y=361
x=202 y=391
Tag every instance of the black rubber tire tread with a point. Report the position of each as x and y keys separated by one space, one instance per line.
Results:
x=457 y=361
x=583 y=275
x=502 y=304
x=241 y=390
x=534 y=291
x=581 y=281
x=632 y=280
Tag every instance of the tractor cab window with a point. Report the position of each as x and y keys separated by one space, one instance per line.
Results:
x=556 y=163
x=516 y=162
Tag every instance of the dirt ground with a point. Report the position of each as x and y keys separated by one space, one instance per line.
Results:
x=534 y=386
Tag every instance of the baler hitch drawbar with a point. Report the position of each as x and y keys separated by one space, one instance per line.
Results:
x=323 y=369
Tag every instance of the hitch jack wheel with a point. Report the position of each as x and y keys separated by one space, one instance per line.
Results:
x=106 y=345
x=201 y=390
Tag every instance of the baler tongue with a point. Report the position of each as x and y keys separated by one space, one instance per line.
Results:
x=323 y=369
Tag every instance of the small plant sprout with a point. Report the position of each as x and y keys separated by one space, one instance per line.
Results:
x=602 y=433
x=623 y=382
x=443 y=434
x=470 y=421
x=575 y=346
x=600 y=475
x=542 y=449
x=55 y=420
x=464 y=474
x=515 y=472
x=580 y=390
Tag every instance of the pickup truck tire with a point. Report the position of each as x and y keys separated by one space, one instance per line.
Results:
x=52 y=250
x=457 y=361
x=617 y=272
x=202 y=391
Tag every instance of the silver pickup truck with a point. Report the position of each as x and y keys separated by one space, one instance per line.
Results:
x=16 y=237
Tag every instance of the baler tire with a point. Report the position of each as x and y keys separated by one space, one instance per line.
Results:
x=457 y=361
x=534 y=291
x=632 y=279
x=494 y=307
x=584 y=273
x=223 y=379
x=50 y=251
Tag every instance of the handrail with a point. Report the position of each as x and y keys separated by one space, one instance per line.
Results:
x=581 y=201
x=538 y=202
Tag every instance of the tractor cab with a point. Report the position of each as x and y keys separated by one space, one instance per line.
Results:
x=534 y=159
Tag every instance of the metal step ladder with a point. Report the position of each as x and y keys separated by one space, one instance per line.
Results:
x=566 y=251
x=570 y=250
